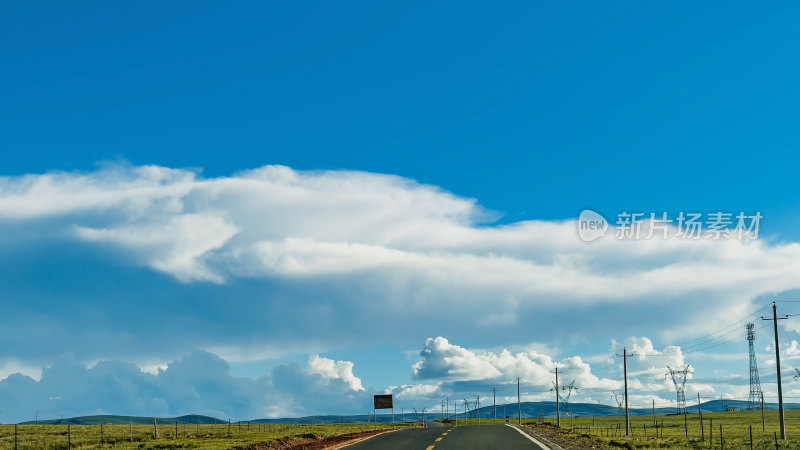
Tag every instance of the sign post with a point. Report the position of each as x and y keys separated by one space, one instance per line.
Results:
x=382 y=402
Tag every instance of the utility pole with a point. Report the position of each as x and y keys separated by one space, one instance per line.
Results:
x=774 y=320
x=625 y=356
x=558 y=403
x=625 y=370
x=494 y=403
x=519 y=405
x=700 y=413
x=478 y=409
x=654 y=410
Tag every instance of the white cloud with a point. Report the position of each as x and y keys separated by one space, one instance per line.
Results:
x=647 y=359
x=444 y=361
x=278 y=222
x=333 y=370
x=793 y=349
x=413 y=391
x=200 y=383
x=136 y=190
x=459 y=370
x=9 y=367
x=176 y=247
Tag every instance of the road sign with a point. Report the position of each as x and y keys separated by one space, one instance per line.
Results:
x=506 y=419
x=540 y=419
x=383 y=402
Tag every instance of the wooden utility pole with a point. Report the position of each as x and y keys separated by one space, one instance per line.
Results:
x=654 y=412
x=494 y=403
x=519 y=405
x=774 y=320
x=558 y=403
x=625 y=356
x=478 y=409
x=700 y=412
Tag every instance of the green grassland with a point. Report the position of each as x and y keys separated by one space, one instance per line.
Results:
x=670 y=432
x=188 y=436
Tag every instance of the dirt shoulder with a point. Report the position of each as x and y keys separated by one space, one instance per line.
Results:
x=313 y=442
x=557 y=439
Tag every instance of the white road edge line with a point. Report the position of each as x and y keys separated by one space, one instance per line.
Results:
x=357 y=441
x=529 y=437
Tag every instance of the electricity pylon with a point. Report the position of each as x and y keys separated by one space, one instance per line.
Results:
x=754 y=400
x=679 y=379
x=564 y=392
x=619 y=398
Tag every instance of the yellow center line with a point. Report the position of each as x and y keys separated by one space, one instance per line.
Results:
x=444 y=434
x=438 y=439
x=430 y=447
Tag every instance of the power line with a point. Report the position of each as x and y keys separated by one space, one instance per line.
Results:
x=711 y=334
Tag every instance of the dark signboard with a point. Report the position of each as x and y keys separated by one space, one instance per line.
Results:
x=383 y=402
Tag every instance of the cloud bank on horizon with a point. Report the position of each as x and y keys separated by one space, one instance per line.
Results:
x=202 y=383
x=146 y=262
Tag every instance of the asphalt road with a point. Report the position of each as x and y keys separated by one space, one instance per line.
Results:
x=443 y=438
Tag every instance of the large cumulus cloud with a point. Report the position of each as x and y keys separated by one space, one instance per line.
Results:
x=442 y=360
x=200 y=383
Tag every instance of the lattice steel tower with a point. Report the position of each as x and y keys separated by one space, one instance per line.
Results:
x=679 y=379
x=567 y=392
x=754 y=400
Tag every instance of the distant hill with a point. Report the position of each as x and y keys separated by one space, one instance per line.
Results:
x=125 y=420
x=548 y=409
x=529 y=409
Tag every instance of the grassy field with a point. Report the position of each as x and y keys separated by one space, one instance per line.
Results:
x=670 y=432
x=190 y=436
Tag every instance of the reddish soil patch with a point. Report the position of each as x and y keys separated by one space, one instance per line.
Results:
x=310 y=441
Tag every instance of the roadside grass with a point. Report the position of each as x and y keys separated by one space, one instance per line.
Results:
x=669 y=431
x=190 y=436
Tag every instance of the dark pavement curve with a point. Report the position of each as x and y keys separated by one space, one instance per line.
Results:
x=461 y=438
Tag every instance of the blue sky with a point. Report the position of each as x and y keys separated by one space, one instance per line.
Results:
x=412 y=150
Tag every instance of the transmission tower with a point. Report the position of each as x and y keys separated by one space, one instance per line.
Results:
x=565 y=393
x=754 y=400
x=679 y=379
x=620 y=399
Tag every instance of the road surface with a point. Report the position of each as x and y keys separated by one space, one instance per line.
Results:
x=450 y=438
